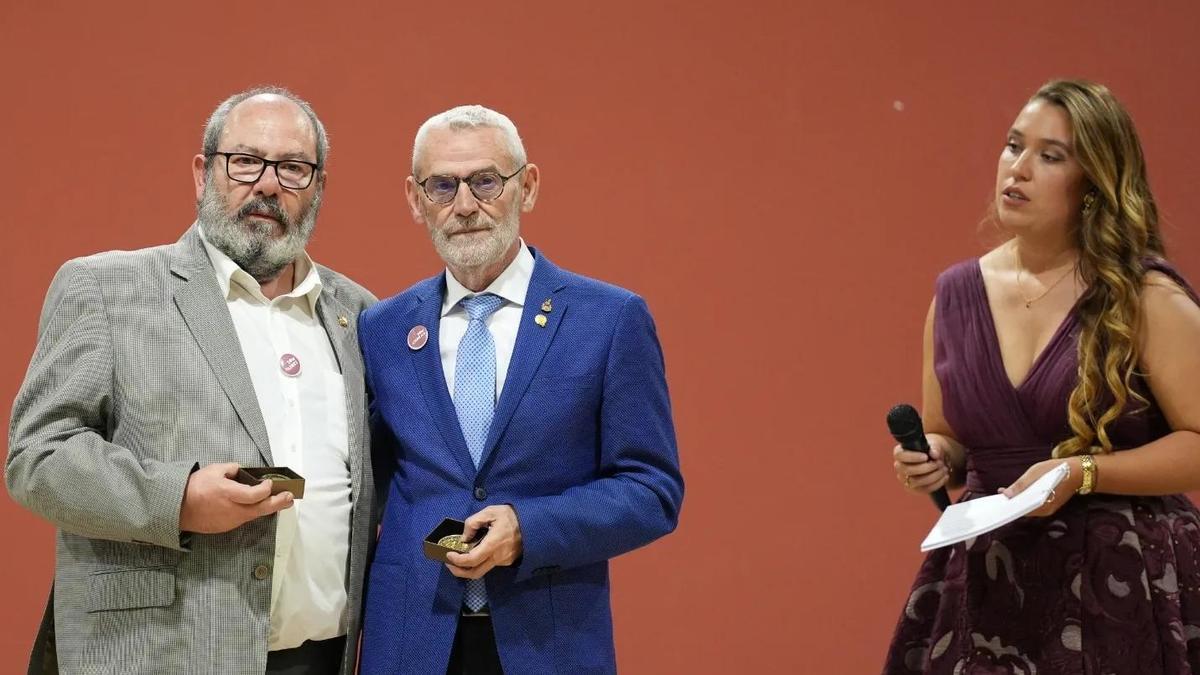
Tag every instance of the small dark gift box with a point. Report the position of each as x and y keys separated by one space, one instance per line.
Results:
x=448 y=526
x=294 y=483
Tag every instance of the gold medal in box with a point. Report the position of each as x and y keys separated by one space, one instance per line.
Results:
x=447 y=537
x=282 y=479
x=455 y=543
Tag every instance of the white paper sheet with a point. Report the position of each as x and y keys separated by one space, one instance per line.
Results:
x=962 y=521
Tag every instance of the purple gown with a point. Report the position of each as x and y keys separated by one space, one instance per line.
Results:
x=1108 y=584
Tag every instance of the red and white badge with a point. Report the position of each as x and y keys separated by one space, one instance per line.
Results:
x=290 y=365
x=417 y=337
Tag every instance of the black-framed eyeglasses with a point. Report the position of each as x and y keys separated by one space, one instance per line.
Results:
x=293 y=174
x=486 y=185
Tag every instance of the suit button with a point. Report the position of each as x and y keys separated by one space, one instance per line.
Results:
x=480 y=494
x=262 y=572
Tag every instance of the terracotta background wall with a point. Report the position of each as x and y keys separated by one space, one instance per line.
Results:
x=781 y=180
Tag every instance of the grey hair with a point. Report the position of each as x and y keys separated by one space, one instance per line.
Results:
x=216 y=121
x=472 y=117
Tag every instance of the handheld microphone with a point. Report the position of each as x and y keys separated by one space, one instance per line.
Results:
x=905 y=424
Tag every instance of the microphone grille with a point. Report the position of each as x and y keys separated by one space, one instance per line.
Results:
x=903 y=420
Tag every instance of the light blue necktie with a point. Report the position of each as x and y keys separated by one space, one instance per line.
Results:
x=475 y=396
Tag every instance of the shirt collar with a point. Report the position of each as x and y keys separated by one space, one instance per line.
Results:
x=512 y=284
x=229 y=273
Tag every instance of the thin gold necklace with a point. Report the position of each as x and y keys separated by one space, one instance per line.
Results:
x=1029 y=301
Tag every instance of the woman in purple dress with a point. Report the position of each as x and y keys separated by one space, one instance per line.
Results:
x=1073 y=342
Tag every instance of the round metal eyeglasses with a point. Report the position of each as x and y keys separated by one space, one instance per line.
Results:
x=486 y=185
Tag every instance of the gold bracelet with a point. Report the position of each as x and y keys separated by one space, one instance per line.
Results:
x=1088 y=464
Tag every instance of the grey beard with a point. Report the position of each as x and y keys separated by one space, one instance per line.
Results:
x=504 y=232
x=249 y=242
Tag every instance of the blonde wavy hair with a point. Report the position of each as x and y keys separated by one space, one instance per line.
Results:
x=1118 y=230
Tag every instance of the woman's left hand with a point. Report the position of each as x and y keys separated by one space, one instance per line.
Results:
x=1061 y=494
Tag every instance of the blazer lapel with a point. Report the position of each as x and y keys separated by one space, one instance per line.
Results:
x=427 y=362
x=331 y=313
x=532 y=342
x=207 y=316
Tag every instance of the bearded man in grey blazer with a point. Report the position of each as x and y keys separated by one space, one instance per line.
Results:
x=157 y=374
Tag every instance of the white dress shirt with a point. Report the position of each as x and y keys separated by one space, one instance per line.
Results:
x=305 y=416
x=512 y=285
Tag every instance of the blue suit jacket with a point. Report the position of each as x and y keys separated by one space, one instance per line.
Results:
x=581 y=445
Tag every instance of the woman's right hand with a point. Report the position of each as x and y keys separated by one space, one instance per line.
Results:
x=921 y=474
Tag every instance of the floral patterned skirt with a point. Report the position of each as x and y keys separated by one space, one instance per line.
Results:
x=1106 y=585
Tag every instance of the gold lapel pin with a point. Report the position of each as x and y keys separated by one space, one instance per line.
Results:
x=343 y=321
x=540 y=320
x=547 y=307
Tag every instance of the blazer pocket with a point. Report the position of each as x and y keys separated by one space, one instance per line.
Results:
x=130 y=589
x=570 y=382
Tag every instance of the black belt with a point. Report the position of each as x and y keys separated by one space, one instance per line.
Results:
x=313 y=656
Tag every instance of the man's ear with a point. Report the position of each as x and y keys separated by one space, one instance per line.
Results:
x=529 y=185
x=412 y=193
x=199 y=175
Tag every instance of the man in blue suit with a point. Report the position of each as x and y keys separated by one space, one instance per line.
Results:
x=520 y=397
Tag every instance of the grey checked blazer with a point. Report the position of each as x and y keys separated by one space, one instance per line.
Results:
x=137 y=378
